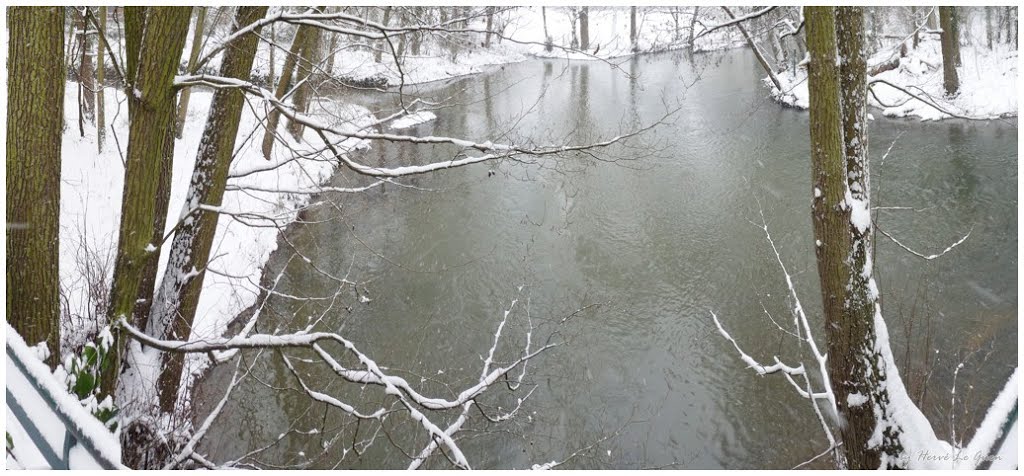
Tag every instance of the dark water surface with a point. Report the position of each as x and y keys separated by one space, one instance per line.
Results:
x=657 y=233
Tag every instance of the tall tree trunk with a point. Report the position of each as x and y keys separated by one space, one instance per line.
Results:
x=913 y=25
x=989 y=27
x=757 y=51
x=35 y=122
x=693 y=25
x=585 y=28
x=842 y=232
x=574 y=16
x=855 y=367
x=150 y=129
x=309 y=61
x=193 y=58
x=332 y=45
x=490 y=26
x=632 y=29
x=134 y=25
x=949 y=76
x=181 y=286
x=283 y=85
x=417 y=37
x=101 y=76
x=954 y=28
x=676 y=34
x=377 y=55
x=87 y=86
x=547 y=37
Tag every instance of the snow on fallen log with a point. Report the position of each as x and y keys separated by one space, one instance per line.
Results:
x=413 y=119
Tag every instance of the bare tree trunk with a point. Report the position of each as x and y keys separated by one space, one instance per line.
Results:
x=913 y=25
x=309 y=61
x=757 y=51
x=949 y=75
x=271 y=77
x=954 y=28
x=283 y=86
x=632 y=29
x=134 y=24
x=676 y=34
x=193 y=58
x=101 y=73
x=585 y=28
x=989 y=27
x=417 y=37
x=574 y=16
x=179 y=295
x=547 y=37
x=331 y=47
x=87 y=86
x=490 y=26
x=35 y=122
x=380 y=48
x=693 y=25
x=150 y=129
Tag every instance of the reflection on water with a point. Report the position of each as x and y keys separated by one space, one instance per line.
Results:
x=656 y=233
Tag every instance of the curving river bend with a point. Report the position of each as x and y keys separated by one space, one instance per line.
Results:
x=649 y=237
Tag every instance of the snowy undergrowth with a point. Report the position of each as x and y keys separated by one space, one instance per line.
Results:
x=988 y=83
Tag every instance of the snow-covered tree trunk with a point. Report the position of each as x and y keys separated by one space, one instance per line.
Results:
x=179 y=291
x=151 y=125
x=856 y=371
x=35 y=120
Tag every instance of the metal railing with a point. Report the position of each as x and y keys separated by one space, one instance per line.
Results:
x=56 y=458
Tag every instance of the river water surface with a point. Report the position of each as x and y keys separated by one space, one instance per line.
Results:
x=648 y=238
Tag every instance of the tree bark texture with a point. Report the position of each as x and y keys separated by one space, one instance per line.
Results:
x=35 y=122
x=150 y=129
x=950 y=81
x=101 y=77
x=180 y=289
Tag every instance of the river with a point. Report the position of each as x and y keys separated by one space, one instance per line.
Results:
x=649 y=237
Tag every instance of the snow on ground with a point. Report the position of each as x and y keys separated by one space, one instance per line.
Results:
x=988 y=83
x=524 y=28
x=609 y=32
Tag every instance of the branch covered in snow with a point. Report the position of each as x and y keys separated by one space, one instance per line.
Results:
x=369 y=372
x=735 y=21
x=921 y=255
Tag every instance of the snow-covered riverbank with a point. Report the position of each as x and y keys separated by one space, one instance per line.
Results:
x=988 y=83
x=91 y=205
